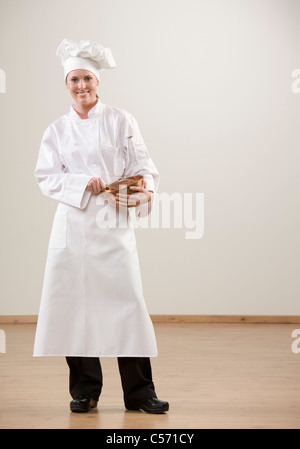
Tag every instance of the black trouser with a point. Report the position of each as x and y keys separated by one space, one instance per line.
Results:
x=136 y=378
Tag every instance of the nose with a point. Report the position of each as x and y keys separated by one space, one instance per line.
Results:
x=81 y=84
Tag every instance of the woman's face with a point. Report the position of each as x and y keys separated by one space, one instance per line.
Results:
x=82 y=85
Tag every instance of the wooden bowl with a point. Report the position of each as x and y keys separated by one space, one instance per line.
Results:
x=123 y=185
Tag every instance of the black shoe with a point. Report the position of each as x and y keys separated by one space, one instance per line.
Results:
x=153 y=405
x=83 y=403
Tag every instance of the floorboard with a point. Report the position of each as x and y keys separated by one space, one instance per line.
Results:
x=213 y=375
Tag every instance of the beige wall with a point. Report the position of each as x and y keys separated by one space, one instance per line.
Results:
x=209 y=82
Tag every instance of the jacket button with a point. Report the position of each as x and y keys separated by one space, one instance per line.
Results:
x=94 y=166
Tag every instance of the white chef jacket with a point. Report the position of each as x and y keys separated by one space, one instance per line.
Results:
x=92 y=301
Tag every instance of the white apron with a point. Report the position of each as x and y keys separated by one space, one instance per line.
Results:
x=92 y=301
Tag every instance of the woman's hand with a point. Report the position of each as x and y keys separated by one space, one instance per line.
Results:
x=141 y=196
x=96 y=186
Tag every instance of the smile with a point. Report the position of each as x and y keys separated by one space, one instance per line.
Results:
x=81 y=94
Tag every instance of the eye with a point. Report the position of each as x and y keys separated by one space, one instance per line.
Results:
x=88 y=78
x=74 y=80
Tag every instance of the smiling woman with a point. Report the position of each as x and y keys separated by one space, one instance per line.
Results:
x=92 y=302
x=82 y=85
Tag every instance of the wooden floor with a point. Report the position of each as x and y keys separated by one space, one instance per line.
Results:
x=213 y=375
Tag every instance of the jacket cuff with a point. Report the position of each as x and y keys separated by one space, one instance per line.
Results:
x=77 y=190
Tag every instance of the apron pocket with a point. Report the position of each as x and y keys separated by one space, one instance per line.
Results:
x=58 y=237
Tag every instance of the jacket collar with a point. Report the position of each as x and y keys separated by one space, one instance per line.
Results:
x=93 y=113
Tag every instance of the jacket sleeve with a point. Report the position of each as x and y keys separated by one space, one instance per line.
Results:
x=53 y=178
x=139 y=162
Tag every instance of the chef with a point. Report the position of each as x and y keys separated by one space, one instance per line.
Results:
x=92 y=301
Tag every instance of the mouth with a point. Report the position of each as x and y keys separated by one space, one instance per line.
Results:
x=82 y=93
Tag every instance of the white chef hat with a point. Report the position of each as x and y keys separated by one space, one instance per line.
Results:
x=87 y=55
